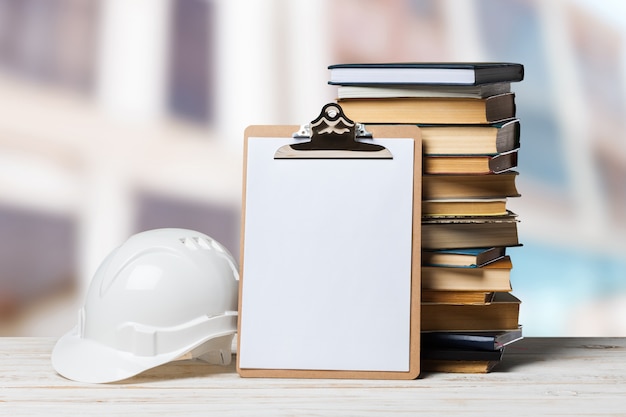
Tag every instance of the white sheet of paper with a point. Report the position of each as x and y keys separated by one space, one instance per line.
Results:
x=327 y=261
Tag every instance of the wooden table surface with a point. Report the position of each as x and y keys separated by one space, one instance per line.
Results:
x=538 y=376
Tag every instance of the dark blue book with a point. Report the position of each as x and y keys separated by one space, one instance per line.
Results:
x=462 y=258
x=482 y=341
x=415 y=73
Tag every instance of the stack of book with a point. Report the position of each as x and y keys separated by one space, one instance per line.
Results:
x=471 y=137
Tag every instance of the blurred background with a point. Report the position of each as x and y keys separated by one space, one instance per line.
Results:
x=121 y=116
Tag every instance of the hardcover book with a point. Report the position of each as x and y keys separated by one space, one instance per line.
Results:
x=469 y=232
x=464 y=207
x=462 y=258
x=471 y=139
x=494 y=276
x=460 y=361
x=469 y=186
x=452 y=73
x=435 y=90
x=487 y=341
x=457 y=297
x=501 y=314
x=470 y=164
x=431 y=110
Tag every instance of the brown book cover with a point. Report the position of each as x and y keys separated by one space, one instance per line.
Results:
x=468 y=258
x=458 y=367
x=469 y=232
x=495 y=276
x=431 y=110
x=464 y=207
x=471 y=139
x=456 y=297
x=460 y=360
x=470 y=164
x=501 y=314
x=470 y=186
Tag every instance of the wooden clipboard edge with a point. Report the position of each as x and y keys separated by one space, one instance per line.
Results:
x=381 y=132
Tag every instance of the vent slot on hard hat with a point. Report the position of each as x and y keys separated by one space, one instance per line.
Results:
x=193 y=243
x=198 y=242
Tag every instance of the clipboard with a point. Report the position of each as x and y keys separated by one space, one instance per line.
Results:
x=330 y=250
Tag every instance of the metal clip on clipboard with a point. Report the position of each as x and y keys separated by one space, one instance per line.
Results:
x=332 y=135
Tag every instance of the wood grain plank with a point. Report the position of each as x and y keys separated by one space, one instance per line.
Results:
x=551 y=376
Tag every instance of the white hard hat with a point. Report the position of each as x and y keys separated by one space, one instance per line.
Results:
x=162 y=295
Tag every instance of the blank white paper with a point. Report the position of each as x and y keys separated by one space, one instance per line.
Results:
x=327 y=261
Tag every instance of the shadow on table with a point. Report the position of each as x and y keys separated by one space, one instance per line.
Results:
x=178 y=370
x=532 y=350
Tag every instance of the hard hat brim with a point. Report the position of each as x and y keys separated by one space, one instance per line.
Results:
x=85 y=360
